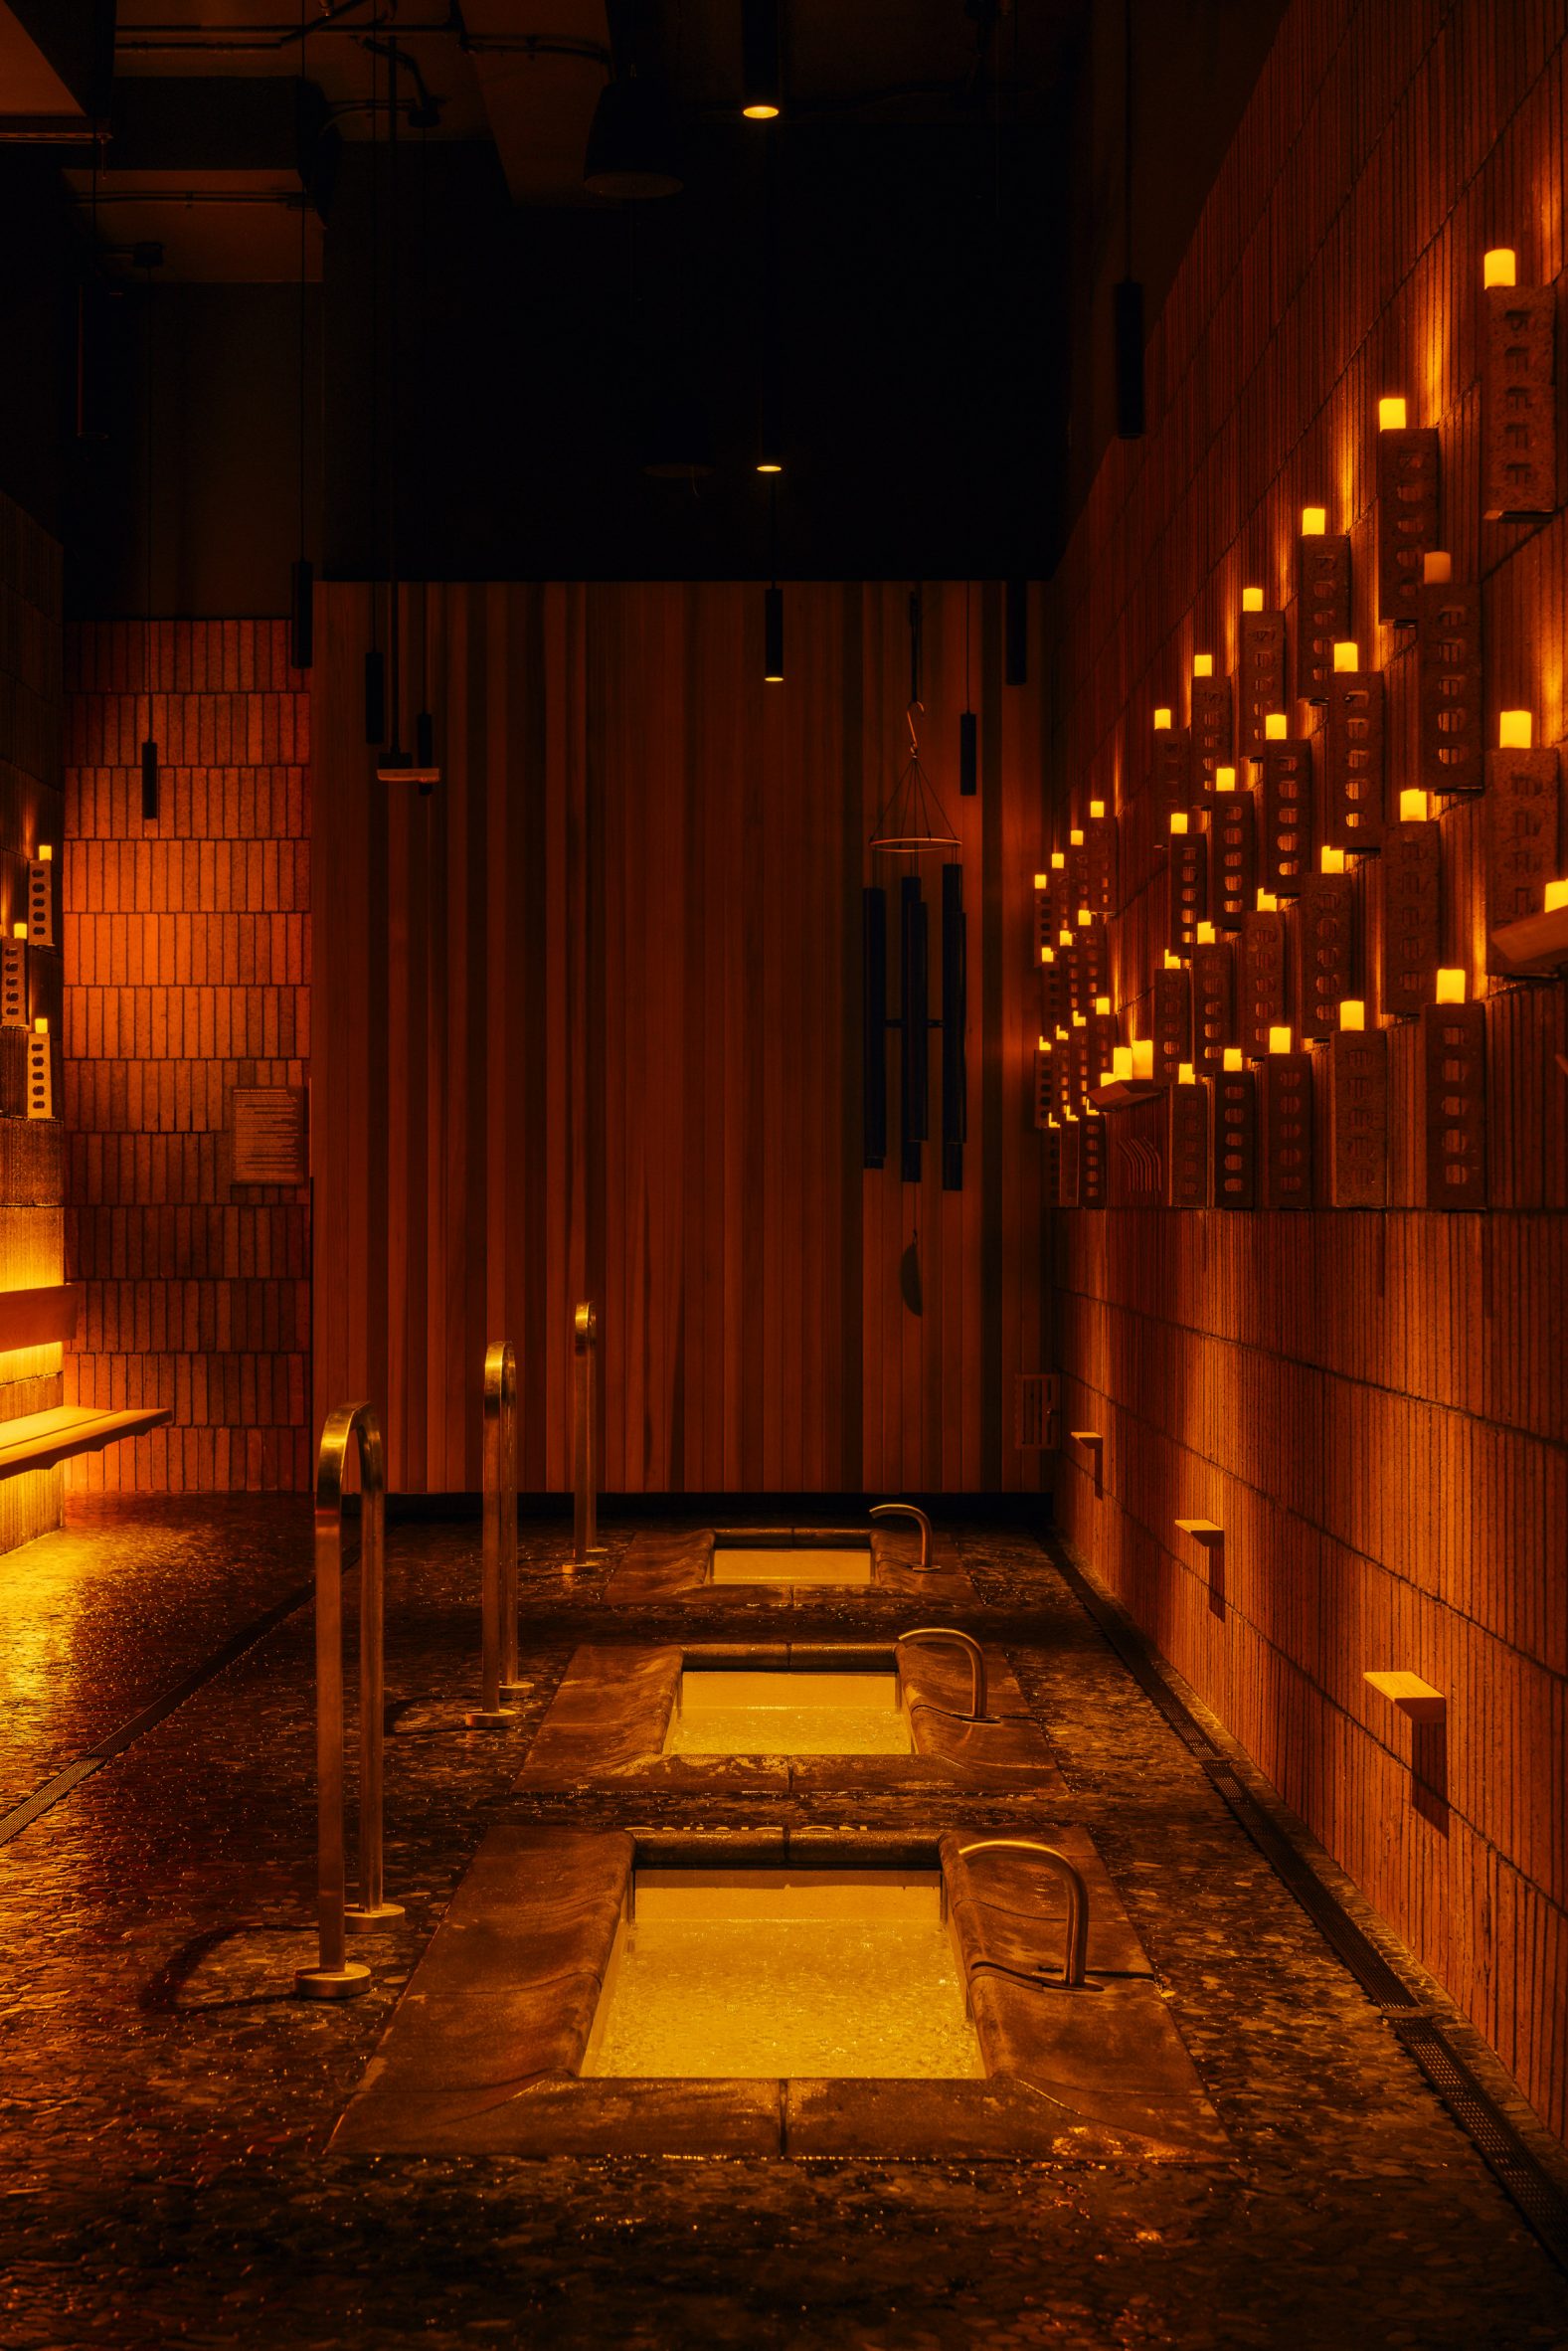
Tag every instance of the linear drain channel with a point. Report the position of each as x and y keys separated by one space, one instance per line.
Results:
x=1515 y=2166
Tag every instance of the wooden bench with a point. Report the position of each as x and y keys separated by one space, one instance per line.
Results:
x=41 y=1440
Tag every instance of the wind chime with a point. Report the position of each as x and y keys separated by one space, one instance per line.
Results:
x=914 y=826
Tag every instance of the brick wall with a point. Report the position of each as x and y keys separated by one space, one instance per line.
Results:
x=186 y=946
x=1371 y=1403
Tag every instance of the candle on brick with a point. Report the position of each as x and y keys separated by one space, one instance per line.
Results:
x=1450 y=985
x=1333 y=859
x=1097 y=809
x=18 y=930
x=46 y=850
x=1347 y=655
x=1268 y=902
x=1500 y=267
x=1121 y=1064
x=1203 y=664
x=1042 y=881
x=1414 y=806
x=1085 y=917
x=1142 y=1052
x=1058 y=860
x=1556 y=896
x=1206 y=934
x=1352 y=1012
x=1279 y=1040
x=1101 y=1004
x=1187 y=1075
x=40 y=1025
x=1251 y=599
x=1075 y=839
x=1225 y=779
x=1178 y=820
x=1315 y=522
x=1232 y=1057
x=1162 y=719
x=1276 y=726
x=1437 y=568
x=1392 y=414
x=1515 y=730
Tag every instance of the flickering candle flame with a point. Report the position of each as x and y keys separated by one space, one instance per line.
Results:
x=1352 y=1012
x=1346 y=654
x=1414 y=806
x=1251 y=599
x=1203 y=664
x=1142 y=1051
x=1437 y=568
x=1162 y=718
x=1268 y=902
x=1515 y=730
x=1178 y=820
x=1556 y=895
x=1279 y=1040
x=1187 y=1075
x=1391 y=415
x=1097 y=809
x=1206 y=934
x=1232 y=1057
x=1075 y=839
x=1451 y=986
x=1500 y=267
x=1276 y=726
x=1101 y=1004
x=1315 y=522
x=1334 y=860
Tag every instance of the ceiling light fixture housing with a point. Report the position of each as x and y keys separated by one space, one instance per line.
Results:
x=632 y=144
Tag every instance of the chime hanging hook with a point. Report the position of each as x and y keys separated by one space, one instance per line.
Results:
x=909 y=721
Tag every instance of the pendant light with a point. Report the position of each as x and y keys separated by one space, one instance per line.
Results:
x=913 y=821
x=631 y=145
x=762 y=97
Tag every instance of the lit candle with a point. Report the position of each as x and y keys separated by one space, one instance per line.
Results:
x=1206 y=934
x=1352 y=1012
x=1187 y=1075
x=1515 y=730
x=1108 y=1076
x=1556 y=895
x=1085 y=917
x=1451 y=986
x=1048 y=955
x=1121 y=1061
x=1058 y=860
x=1172 y=962
x=1042 y=881
x=1315 y=522
x=1042 y=1045
x=1500 y=267
x=1142 y=1050
x=18 y=930
x=1079 y=1021
x=1268 y=903
x=1225 y=779
x=1101 y=1004
x=1251 y=599
x=1334 y=860
x=1075 y=839
x=1276 y=726
x=1391 y=415
x=1162 y=718
x=1279 y=1040
x=1346 y=654
x=1233 y=1057
x=1437 y=568
x=1097 y=809
x=1178 y=820
x=1064 y=938
x=46 y=851
x=1414 y=805
x=40 y=1026
x=1203 y=664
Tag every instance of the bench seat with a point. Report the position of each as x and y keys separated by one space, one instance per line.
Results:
x=39 y=1440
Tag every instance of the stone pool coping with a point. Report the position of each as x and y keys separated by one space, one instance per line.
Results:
x=607 y=1721
x=482 y=2053
x=673 y=1569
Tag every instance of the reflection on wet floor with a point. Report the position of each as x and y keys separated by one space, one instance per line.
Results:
x=763 y=1973
x=788 y=1714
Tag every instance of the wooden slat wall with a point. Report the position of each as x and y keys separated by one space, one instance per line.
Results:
x=32 y=1219
x=1372 y=1405
x=586 y=1023
x=187 y=968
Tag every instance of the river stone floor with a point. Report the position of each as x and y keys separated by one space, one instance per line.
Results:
x=166 y=2102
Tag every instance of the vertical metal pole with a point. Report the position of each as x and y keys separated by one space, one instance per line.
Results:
x=372 y=1906
x=586 y=1544
x=499 y=1589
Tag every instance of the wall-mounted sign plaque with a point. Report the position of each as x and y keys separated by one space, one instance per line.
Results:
x=270 y=1126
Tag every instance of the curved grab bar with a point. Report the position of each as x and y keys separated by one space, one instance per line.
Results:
x=1075 y=1957
x=948 y=1632
x=908 y=1510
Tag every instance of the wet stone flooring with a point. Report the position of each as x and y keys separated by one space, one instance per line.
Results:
x=166 y=2102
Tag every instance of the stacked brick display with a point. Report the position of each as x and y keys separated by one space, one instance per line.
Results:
x=187 y=951
x=1339 y=1336
x=30 y=1217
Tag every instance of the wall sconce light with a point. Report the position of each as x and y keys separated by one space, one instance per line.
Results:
x=1515 y=730
x=1518 y=397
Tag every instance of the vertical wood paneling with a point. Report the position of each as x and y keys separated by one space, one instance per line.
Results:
x=1371 y=1404
x=587 y=1023
x=187 y=974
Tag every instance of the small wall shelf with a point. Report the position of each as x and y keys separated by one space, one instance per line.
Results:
x=1202 y=1531
x=1411 y=1695
x=1125 y=1093
x=1536 y=943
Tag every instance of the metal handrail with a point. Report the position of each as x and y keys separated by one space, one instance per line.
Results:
x=336 y=1976
x=584 y=1407
x=1075 y=1956
x=948 y=1632
x=498 y=1585
x=908 y=1510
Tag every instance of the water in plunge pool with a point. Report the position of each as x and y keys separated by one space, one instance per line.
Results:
x=788 y=1714
x=792 y=1564
x=769 y=1973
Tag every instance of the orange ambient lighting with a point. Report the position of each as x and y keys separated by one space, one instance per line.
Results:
x=1515 y=730
x=1500 y=267
x=1097 y=809
x=1268 y=903
x=1276 y=726
x=1225 y=779
x=1346 y=654
x=1315 y=522
x=1178 y=820
x=1414 y=806
x=1162 y=719
x=1187 y=1075
x=1101 y=1004
x=1334 y=860
x=1556 y=895
x=1279 y=1040
x=1042 y=881
x=1203 y=664
x=1206 y=934
x=1233 y=1057
x=1352 y=1012
x=1451 y=986
x=1142 y=1051
x=1391 y=415
x=1251 y=599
